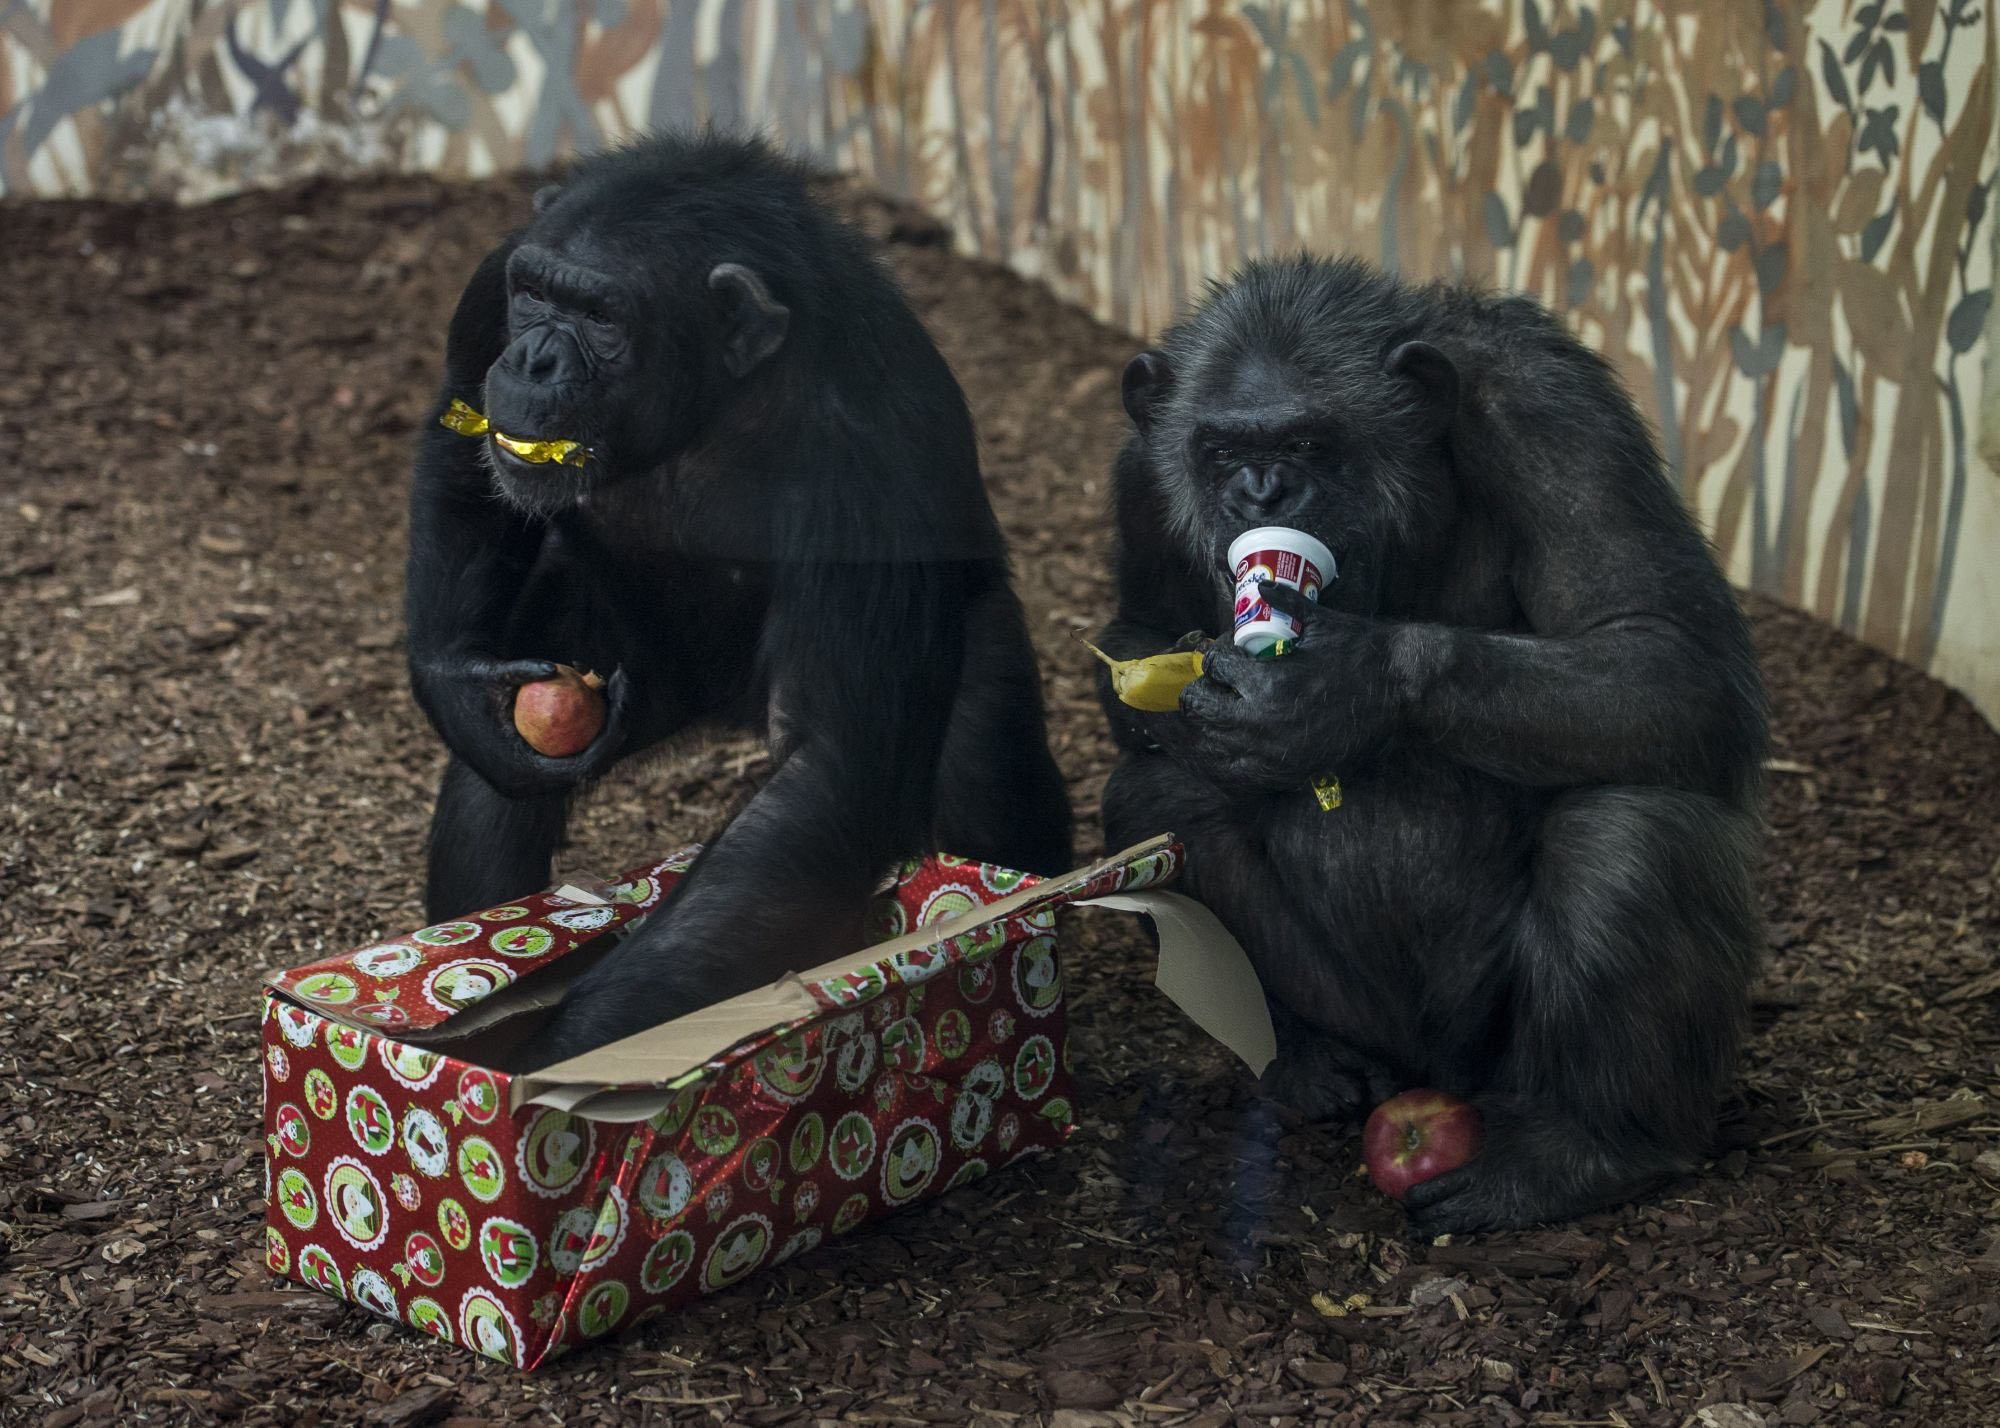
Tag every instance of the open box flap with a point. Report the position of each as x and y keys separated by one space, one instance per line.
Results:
x=444 y=982
x=1206 y=973
x=626 y=1079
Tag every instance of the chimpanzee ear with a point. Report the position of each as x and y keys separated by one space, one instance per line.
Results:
x=753 y=322
x=1148 y=379
x=1430 y=371
x=546 y=195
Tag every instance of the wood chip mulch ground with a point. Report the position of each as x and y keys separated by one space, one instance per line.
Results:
x=211 y=766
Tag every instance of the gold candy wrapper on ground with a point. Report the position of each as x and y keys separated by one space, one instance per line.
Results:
x=1154 y=683
x=466 y=422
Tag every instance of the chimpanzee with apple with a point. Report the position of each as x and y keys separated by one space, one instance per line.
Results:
x=691 y=437
x=1534 y=685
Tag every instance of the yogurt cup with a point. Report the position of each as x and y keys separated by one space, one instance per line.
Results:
x=1284 y=557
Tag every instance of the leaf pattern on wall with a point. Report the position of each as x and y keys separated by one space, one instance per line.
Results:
x=1775 y=218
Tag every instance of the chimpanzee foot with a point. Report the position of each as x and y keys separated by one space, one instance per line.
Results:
x=1317 y=1085
x=1519 y=1179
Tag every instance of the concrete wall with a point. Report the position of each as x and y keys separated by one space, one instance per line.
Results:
x=1776 y=218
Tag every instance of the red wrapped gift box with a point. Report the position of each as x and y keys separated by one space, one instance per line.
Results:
x=517 y=1215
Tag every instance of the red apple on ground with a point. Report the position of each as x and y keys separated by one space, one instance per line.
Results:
x=559 y=717
x=1415 y=1136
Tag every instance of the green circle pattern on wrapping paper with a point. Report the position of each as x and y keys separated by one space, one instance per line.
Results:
x=321 y=1097
x=953 y=1033
x=428 y=1315
x=670 y=1121
x=348 y=1047
x=602 y=1308
x=498 y=1234
x=1034 y=1068
x=448 y=934
x=329 y=988
x=480 y=1170
x=667 y=1262
x=903 y=1044
x=454 y=1223
x=977 y=983
x=739 y=1248
x=296 y=1199
x=527 y=940
x=808 y=1142
x=1000 y=880
x=788 y=1069
x=858 y=1128
x=1036 y=954
x=944 y=904
x=760 y=1164
x=715 y=1130
x=369 y=1120
x=853 y=1210
x=887 y=919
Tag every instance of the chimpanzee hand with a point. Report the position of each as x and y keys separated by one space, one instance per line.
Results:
x=471 y=701
x=1141 y=728
x=1330 y=701
x=654 y=976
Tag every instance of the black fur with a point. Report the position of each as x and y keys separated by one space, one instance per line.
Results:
x=1534 y=684
x=780 y=526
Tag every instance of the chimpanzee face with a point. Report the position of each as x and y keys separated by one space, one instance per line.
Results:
x=575 y=345
x=618 y=347
x=1280 y=410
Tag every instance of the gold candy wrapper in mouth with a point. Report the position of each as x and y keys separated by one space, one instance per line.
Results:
x=466 y=422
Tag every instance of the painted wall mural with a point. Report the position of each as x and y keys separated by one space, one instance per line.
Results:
x=1777 y=218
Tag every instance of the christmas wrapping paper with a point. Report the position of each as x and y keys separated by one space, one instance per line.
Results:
x=413 y=1183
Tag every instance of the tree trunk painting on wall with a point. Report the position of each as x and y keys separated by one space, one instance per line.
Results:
x=1775 y=218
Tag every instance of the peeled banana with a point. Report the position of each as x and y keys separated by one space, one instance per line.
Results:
x=1153 y=683
x=467 y=422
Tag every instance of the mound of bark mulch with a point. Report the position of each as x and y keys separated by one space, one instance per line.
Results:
x=211 y=766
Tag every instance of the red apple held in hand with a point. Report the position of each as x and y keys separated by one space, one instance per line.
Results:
x=1415 y=1136
x=559 y=717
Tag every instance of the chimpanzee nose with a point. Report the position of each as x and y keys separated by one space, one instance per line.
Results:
x=1258 y=491
x=541 y=355
x=1262 y=484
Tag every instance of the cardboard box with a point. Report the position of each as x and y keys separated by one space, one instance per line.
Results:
x=519 y=1214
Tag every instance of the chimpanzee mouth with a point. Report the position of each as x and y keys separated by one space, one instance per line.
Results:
x=514 y=451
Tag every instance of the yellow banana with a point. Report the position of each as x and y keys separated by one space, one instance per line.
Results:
x=1154 y=683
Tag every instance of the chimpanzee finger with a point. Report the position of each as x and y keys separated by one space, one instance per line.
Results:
x=1243 y=675
x=1216 y=690
x=516 y=671
x=1288 y=601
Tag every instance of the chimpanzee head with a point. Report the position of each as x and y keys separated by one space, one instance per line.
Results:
x=1301 y=394
x=631 y=329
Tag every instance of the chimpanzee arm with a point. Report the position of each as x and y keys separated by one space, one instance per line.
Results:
x=1161 y=595
x=867 y=658
x=470 y=557
x=1638 y=667
x=470 y=552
